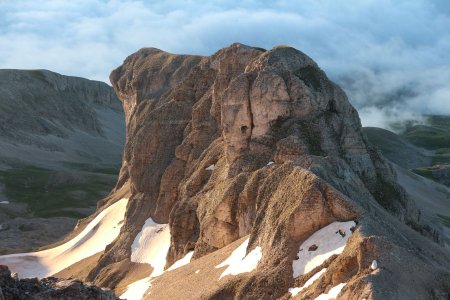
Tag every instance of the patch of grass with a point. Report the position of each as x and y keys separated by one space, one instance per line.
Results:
x=427 y=173
x=434 y=135
x=281 y=47
x=444 y=220
x=387 y=141
x=443 y=151
x=99 y=168
x=47 y=195
x=440 y=160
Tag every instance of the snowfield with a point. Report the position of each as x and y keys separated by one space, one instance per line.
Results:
x=150 y=246
x=239 y=263
x=99 y=233
x=329 y=241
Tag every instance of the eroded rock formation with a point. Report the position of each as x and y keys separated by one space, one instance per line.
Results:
x=258 y=143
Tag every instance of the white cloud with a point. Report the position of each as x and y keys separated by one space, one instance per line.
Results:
x=376 y=50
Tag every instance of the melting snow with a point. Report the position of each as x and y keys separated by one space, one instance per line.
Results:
x=137 y=289
x=210 y=168
x=332 y=294
x=99 y=233
x=181 y=262
x=295 y=291
x=328 y=240
x=270 y=163
x=238 y=262
x=4 y=202
x=150 y=246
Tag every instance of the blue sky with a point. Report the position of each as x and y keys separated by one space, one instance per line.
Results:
x=381 y=52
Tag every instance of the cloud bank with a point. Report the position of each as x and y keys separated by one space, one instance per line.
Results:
x=391 y=57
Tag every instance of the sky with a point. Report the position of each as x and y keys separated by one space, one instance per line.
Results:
x=392 y=57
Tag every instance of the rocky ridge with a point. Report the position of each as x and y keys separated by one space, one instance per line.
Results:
x=259 y=145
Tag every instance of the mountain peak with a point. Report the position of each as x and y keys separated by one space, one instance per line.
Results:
x=247 y=172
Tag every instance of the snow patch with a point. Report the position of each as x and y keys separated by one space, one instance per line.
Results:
x=329 y=240
x=210 y=168
x=239 y=263
x=150 y=246
x=99 y=233
x=4 y=202
x=198 y=271
x=295 y=291
x=332 y=294
x=181 y=262
x=270 y=163
x=137 y=289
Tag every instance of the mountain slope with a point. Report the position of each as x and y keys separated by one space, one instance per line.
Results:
x=61 y=140
x=397 y=149
x=247 y=176
x=422 y=148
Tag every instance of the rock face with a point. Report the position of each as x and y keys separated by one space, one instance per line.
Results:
x=49 y=289
x=258 y=144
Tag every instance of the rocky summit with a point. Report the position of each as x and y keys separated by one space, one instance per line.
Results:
x=246 y=175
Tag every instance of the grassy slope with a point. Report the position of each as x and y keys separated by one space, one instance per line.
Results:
x=50 y=193
x=435 y=135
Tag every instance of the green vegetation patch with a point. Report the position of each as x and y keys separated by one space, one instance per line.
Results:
x=94 y=168
x=424 y=172
x=444 y=220
x=435 y=135
x=49 y=193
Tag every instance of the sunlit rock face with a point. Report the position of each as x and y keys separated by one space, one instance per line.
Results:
x=249 y=156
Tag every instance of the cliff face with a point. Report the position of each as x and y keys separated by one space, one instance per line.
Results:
x=256 y=156
x=253 y=143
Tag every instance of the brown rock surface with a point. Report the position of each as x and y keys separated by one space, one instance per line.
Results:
x=201 y=132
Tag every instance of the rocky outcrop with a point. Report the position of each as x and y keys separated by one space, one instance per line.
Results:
x=49 y=289
x=259 y=145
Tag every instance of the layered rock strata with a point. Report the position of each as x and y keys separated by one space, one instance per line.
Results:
x=261 y=144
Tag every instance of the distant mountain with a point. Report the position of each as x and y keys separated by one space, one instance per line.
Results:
x=398 y=149
x=61 y=140
x=424 y=148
